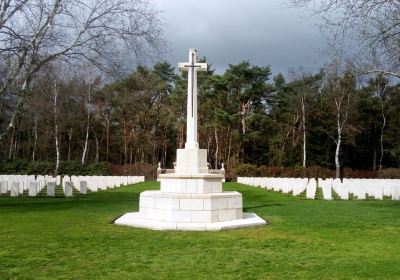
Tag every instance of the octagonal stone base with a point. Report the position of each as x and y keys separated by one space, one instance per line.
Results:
x=190 y=201
x=190 y=211
x=137 y=220
x=191 y=208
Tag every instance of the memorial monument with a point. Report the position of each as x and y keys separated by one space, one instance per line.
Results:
x=191 y=198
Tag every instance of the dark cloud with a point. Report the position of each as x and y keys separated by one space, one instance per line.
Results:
x=228 y=31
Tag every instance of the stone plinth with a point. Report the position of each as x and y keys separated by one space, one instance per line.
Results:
x=191 y=208
x=191 y=161
x=137 y=220
x=191 y=183
x=190 y=202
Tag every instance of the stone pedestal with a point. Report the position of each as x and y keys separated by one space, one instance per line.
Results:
x=191 y=161
x=190 y=202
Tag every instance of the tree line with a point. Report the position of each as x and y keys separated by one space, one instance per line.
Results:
x=331 y=118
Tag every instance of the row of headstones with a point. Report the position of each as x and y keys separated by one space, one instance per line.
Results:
x=15 y=185
x=359 y=188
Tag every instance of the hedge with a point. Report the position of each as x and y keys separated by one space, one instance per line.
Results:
x=20 y=166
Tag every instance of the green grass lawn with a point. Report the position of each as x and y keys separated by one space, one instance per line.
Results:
x=44 y=238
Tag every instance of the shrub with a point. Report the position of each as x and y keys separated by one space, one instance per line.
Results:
x=98 y=168
x=136 y=169
x=389 y=173
x=16 y=166
x=244 y=169
x=40 y=168
x=72 y=167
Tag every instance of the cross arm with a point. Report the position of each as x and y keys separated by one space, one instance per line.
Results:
x=183 y=66
x=201 y=66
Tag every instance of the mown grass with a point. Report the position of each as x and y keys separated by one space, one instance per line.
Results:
x=58 y=238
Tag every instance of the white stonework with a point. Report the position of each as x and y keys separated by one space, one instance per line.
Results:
x=33 y=188
x=190 y=198
x=68 y=189
x=3 y=187
x=137 y=220
x=83 y=187
x=15 y=186
x=51 y=189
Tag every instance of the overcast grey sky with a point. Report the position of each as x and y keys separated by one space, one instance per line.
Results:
x=265 y=32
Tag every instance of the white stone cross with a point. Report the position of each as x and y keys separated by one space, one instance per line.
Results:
x=191 y=121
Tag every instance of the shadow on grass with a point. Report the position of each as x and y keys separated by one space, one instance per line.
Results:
x=262 y=206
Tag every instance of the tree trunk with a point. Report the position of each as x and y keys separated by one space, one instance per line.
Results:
x=229 y=147
x=381 y=139
x=57 y=144
x=108 y=137
x=125 y=143
x=131 y=155
x=96 y=159
x=87 y=128
x=35 y=136
x=303 y=109
x=338 y=143
x=11 y=143
x=216 y=146
x=69 y=143
x=374 y=160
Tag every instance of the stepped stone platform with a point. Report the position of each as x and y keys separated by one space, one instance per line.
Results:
x=190 y=202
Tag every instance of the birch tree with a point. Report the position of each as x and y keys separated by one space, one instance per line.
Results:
x=340 y=88
x=55 y=92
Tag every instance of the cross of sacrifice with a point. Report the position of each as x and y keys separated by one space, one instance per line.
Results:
x=191 y=120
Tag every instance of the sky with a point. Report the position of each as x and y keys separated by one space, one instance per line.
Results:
x=265 y=32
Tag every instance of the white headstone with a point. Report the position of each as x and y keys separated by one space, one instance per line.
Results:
x=51 y=189
x=58 y=180
x=311 y=188
x=83 y=187
x=68 y=189
x=3 y=187
x=15 y=186
x=396 y=192
x=326 y=186
x=33 y=188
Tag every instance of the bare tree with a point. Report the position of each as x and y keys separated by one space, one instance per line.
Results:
x=85 y=147
x=36 y=32
x=380 y=83
x=55 y=92
x=303 y=122
x=374 y=24
x=88 y=106
x=340 y=88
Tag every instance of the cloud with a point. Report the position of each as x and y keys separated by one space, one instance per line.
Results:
x=229 y=31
